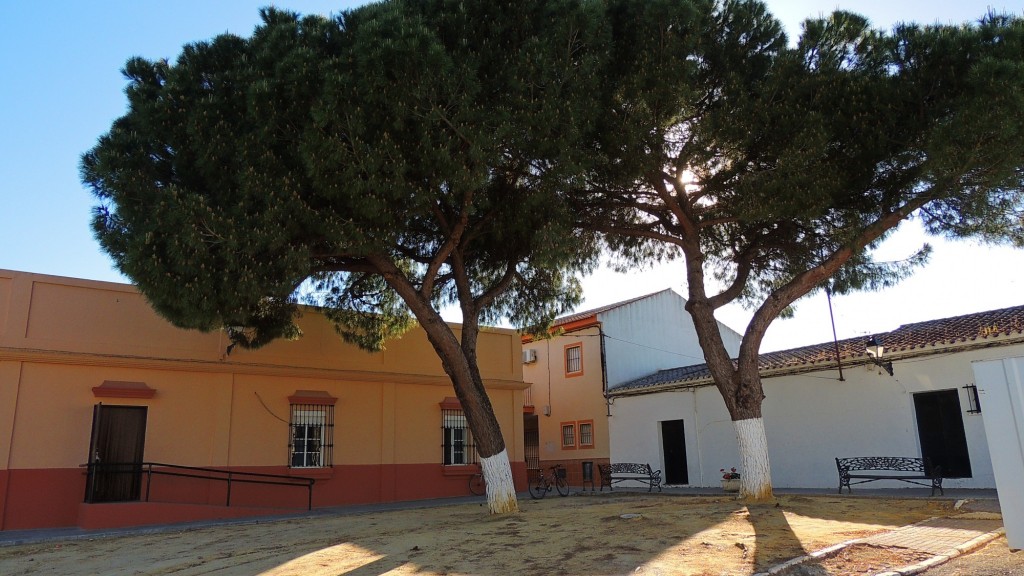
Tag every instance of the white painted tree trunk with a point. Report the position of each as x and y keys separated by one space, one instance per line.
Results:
x=755 y=471
x=501 y=490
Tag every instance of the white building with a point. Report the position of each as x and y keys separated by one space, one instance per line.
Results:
x=927 y=407
x=590 y=353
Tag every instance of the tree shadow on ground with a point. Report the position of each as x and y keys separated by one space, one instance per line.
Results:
x=620 y=533
x=774 y=538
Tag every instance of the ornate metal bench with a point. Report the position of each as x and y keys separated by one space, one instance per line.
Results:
x=622 y=472
x=871 y=468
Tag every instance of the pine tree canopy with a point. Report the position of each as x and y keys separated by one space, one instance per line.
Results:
x=410 y=154
x=396 y=158
x=774 y=166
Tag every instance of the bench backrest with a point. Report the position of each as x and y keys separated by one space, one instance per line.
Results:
x=894 y=463
x=627 y=468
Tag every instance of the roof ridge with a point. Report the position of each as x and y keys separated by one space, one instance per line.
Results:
x=593 y=311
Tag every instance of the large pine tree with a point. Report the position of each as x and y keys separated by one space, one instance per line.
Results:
x=399 y=158
x=773 y=170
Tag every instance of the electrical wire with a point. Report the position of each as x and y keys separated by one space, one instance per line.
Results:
x=269 y=411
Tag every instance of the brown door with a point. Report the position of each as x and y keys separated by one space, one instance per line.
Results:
x=116 y=453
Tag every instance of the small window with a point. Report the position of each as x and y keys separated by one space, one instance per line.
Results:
x=574 y=360
x=457 y=442
x=569 y=435
x=312 y=436
x=586 y=430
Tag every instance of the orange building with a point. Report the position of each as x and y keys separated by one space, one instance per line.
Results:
x=110 y=416
x=589 y=354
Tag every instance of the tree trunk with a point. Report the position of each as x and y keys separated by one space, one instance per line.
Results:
x=501 y=488
x=738 y=381
x=469 y=389
x=458 y=358
x=755 y=471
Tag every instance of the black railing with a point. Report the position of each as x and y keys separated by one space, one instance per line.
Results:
x=150 y=469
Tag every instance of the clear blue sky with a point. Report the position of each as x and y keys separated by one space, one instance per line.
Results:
x=61 y=88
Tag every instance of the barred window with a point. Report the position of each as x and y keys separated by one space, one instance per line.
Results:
x=457 y=443
x=586 y=434
x=312 y=436
x=569 y=435
x=574 y=360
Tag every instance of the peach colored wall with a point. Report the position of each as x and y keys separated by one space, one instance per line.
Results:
x=60 y=338
x=198 y=419
x=97 y=320
x=10 y=374
x=54 y=409
x=5 y=300
x=61 y=314
x=571 y=399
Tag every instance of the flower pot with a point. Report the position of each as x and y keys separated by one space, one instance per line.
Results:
x=731 y=485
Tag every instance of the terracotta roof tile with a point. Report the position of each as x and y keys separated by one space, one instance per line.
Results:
x=906 y=341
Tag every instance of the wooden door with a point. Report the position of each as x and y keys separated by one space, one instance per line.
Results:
x=116 y=453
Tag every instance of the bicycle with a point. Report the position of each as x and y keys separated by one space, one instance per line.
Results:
x=477 y=486
x=542 y=484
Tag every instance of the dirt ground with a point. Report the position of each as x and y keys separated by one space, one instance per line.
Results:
x=624 y=533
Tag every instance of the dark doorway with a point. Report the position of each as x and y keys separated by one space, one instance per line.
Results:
x=940 y=426
x=531 y=443
x=673 y=441
x=116 y=453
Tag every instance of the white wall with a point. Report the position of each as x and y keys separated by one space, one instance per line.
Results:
x=1001 y=382
x=655 y=333
x=810 y=420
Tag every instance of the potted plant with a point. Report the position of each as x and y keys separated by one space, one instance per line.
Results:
x=730 y=480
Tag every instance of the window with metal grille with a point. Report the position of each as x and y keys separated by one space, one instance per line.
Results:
x=312 y=436
x=457 y=443
x=569 y=435
x=586 y=434
x=574 y=359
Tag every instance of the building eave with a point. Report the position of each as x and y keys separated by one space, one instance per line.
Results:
x=794 y=370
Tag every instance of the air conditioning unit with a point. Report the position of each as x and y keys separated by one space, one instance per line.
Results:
x=529 y=356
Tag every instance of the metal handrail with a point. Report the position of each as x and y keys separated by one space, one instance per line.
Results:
x=228 y=476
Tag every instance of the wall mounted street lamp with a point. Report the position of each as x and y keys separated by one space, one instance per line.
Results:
x=875 y=351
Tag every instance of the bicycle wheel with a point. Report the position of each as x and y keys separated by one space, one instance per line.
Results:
x=538 y=488
x=562 y=486
x=476 y=485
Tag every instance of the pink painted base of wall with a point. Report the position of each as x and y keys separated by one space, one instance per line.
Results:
x=52 y=498
x=47 y=498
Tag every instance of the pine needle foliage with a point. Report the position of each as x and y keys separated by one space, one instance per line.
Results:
x=773 y=169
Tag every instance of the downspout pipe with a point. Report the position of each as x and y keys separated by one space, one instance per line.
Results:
x=604 y=372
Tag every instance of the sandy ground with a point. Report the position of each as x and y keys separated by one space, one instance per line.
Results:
x=994 y=559
x=624 y=533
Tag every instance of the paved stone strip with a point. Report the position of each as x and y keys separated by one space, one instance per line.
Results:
x=937 y=535
x=944 y=538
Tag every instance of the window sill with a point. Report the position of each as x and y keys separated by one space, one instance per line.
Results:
x=460 y=469
x=318 y=473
